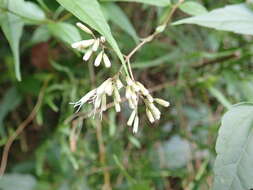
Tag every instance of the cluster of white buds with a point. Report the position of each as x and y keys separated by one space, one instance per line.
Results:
x=98 y=96
x=92 y=45
x=134 y=91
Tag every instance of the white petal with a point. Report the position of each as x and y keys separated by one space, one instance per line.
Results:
x=136 y=124
x=102 y=87
x=155 y=111
x=83 y=44
x=162 y=102
x=150 y=116
x=143 y=89
x=98 y=59
x=129 y=81
x=102 y=38
x=117 y=106
x=131 y=118
x=109 y=88
x=117 y=95
x=87 y=55
x=95 y=45
x=103 y=106
x=106 y=60
x=84 y=28
x=119 y=84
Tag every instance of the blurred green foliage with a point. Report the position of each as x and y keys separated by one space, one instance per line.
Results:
x=201 y=71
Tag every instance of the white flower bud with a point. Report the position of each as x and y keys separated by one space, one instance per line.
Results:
x=102 y=39
x=150 y=116
x=136 y=87
x=119 y=83
x=161 y=28
x=97 y=102
x=98 y=59
x=103 y=105
x=117 y=95
x=162 y=102
x=84 y=28
x=131 y=104
x=95 y=45
x=129 y=81
x=136 y=124
x=128 y=92
x=143 y=89
x=106 y=61
x=131 y=118
x=109 y=88
x=150 y=98
x=155 y=111
x=117 y=106
x=102 y=87
x=87 y=55
x=83 y=44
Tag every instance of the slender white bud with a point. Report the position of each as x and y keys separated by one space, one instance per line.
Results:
x=83 y=44
x=84 y=28
x=101 y=88
x=103 y=104
x=128 y=92
x=131 y=104
x=129 y=81
x=143 y=89
x=98 y=59
x=87 y=55
x=131 y=118
x=95 y=45
x=136 y=87
x=97 y=102
x=102 y=39
x=109 y=88
x=106 y=60
x=150 y=98
x=155 y=111
x=150 y=116
x=117 y=95
x=119 y=84
x=117 y=106
x=136 y=124
x=162 y=102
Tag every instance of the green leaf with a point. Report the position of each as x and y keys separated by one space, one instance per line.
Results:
x=90 y=13
x=119 y=18
x=192 y=8
x=220 y=97
x=65 y=32
x=26 y=10
x=234 y=164
x=12 y=27
x=160 y=3
x=22 y=181
x=235 y=18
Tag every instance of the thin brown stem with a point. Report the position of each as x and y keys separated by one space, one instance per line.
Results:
x=20 y=128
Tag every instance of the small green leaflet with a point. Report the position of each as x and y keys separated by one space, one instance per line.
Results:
x=235 y=18
x=160 y=3
x=234 y=164
x=90 y=13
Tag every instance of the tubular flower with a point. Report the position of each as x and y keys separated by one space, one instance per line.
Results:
x=98 y=96
x=135 y=91
x=92 y=45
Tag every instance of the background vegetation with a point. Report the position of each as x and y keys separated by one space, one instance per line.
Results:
x=201 y=71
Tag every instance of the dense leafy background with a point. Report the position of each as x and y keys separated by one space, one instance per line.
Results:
x=201 y=71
